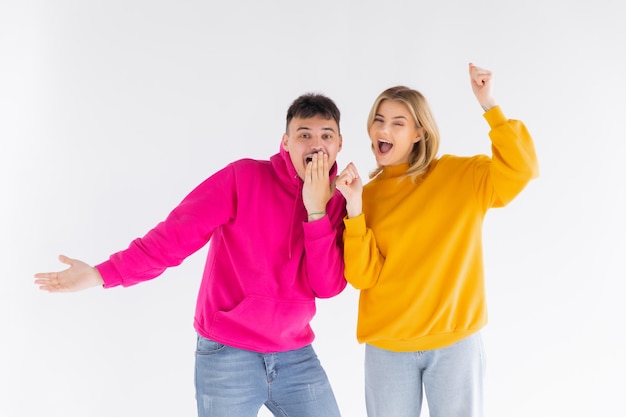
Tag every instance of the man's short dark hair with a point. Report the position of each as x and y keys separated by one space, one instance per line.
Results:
x=313 y=105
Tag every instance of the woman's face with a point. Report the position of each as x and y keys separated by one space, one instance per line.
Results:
x=393 y=133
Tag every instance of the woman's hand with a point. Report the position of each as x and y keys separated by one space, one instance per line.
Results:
x=349 y=183
x=482 y=85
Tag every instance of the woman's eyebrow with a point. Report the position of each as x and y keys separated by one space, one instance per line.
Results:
x=395 y=117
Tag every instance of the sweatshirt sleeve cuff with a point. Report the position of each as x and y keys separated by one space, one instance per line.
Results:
x=109 y=274
x=495 y=117
x=318 y=228
x=355 y=226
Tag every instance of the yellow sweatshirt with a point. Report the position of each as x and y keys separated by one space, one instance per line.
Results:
x=416 y=251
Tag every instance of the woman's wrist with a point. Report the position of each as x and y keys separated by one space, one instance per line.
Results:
x=354 y=209
x=488 y=105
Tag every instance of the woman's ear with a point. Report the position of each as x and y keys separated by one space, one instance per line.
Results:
x=421 y=134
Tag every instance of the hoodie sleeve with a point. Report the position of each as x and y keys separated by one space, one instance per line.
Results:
x=185 y=230
x=324 y=250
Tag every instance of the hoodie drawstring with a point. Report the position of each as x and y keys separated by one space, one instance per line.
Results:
x=293 y=217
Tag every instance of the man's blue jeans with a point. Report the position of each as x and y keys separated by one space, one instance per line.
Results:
x=235 y=382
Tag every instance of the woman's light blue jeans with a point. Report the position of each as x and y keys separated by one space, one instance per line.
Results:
x=234 y=382
x=451 y=377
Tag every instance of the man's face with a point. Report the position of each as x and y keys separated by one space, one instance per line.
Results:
x=304 y=137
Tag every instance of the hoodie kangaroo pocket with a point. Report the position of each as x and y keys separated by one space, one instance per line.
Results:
x=263 y=321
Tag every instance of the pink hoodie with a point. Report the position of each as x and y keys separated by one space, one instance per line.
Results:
x=266 y=264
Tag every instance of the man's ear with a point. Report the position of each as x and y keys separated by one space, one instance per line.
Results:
x=340 y=143
x=285 y=142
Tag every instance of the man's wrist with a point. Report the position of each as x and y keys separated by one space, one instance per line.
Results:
x=315 y=215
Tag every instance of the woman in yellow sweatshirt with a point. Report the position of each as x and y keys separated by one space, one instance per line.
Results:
x=413 y=247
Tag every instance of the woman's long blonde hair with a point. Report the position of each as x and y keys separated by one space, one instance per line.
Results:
x=424 y=151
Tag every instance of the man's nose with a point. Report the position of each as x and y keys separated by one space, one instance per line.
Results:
x=316 y=143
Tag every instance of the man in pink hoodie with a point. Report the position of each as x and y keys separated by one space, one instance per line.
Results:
x=275 y=228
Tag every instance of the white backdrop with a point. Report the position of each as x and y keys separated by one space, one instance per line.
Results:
x=111 y=111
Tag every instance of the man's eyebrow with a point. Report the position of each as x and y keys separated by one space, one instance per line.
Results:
x=308 y=128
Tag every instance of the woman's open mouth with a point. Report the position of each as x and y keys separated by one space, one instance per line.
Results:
x=384 y=146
